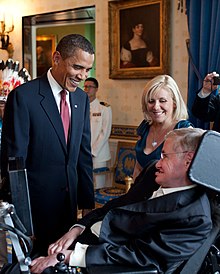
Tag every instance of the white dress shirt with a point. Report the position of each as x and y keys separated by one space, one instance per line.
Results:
x=56 y=89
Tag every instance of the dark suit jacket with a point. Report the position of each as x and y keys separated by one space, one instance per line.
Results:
x=208 y=110
x=160 y=231
x=59 y=177
x=141 y=190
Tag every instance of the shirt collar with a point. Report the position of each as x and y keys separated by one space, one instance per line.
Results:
x=56 y=88
x=163 y=191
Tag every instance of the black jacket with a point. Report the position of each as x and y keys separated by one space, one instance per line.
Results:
x=208 y=110
x=140 y=232
x=141 y=190
x=159 y=231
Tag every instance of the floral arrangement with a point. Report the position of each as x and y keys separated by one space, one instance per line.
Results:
x=11 y=76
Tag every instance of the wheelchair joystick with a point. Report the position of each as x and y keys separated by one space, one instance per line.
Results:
x=61 y=266
x=60 y=257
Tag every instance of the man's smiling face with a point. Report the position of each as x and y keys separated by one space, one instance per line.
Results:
x=71 y=71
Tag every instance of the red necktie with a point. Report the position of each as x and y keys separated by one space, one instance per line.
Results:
x=64 y=112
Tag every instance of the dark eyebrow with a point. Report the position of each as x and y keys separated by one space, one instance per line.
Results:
x=81 y=67
x=76 y=65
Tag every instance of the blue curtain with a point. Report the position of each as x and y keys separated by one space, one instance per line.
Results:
x=204 y=47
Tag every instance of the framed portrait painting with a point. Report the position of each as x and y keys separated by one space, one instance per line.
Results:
x=45 y=47
x=139 y=38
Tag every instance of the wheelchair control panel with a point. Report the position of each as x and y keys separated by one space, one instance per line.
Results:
x=61 y=267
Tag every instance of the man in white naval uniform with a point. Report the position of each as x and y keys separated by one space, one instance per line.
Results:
x=101 y=124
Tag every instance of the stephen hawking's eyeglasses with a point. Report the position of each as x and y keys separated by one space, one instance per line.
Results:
x=89 y=87
x=164 y=155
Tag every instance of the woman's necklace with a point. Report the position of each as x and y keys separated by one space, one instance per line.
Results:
x=154 y=143
x=157 y=139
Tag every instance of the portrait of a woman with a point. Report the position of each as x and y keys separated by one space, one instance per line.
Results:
x=136 y=52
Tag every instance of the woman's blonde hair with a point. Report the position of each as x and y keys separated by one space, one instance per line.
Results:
x=168 y=83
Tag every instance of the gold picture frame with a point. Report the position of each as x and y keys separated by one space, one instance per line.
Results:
x=153 y=56
x=44 y=49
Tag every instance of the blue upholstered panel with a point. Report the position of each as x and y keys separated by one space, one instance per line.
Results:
x=125 y=162
x=125 y=165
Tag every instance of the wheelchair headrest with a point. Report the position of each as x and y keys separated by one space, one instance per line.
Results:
x=205 y=167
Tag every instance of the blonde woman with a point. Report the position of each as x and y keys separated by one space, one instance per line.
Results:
x=164 y=109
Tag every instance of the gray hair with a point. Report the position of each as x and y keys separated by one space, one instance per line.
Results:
x=186 y=138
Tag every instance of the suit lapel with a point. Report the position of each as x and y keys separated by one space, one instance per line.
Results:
x=48 y=103
x=163 y=203
x=143 y=216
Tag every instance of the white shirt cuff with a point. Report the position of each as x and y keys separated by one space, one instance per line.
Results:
x=78 y=256
x=201 y=94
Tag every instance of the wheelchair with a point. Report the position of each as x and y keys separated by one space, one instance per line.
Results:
x=205 y=171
